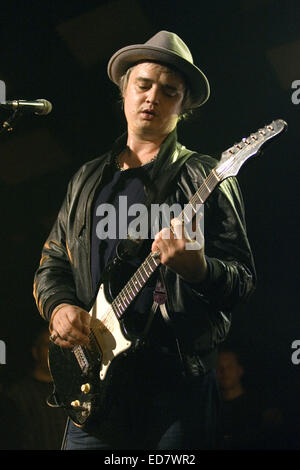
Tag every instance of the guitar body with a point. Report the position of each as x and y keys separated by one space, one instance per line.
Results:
x=83 y=375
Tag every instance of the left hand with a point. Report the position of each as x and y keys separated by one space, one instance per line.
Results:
x=180 y=253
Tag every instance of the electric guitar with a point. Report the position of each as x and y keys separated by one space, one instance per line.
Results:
x=83 y=375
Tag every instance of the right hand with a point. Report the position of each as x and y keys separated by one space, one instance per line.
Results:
x=71 y=325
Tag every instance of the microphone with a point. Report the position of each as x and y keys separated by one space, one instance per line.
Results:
x=40 y=107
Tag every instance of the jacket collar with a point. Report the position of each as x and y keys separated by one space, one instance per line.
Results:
x=167 y=155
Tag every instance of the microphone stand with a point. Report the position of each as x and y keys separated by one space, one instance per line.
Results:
x=8 y=124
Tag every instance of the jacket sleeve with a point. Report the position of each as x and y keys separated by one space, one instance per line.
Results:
x=53 y=281
x=231 y=276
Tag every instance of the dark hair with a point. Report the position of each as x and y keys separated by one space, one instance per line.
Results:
x=232 y=349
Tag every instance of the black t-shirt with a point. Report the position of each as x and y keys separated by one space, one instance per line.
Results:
x=110 y=217
x=241 y=420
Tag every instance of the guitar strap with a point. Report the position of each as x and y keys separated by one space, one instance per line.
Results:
x=160 y=298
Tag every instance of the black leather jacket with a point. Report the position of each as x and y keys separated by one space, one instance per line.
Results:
x=200 y=314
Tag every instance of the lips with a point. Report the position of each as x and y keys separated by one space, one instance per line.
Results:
x=148 y=113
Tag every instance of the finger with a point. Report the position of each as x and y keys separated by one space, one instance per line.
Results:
x=74 y=334
x=79 y=325
x=58 y=341
x=180 y=230
x=72 y=318
x=72 y=338
x=159 y=238
x=65 y=344
x=67 y=332
x=78 y=317
x=166 y=234
x=53 y=336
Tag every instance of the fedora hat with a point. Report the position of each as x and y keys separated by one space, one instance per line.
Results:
x=169 y=49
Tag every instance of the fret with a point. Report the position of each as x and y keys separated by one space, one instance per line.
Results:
x=208 y=188
x=128 y=292
x=142 y=276
x=132 y=287
x=145 y=272
x=202 y=194
x=151 y=260
x=150 y=267
x=122 y=299
x=125 y=298
x=188 y=213
x=137 y=281
x=145 y=266
x=116 y=309
x=155 y=262
x=217 y=178
x=135 y=285
x=197 y=196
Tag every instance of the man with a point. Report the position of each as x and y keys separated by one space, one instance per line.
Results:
x=169 y=398
x=240 y=414
x=248 y=418
x=42 y=426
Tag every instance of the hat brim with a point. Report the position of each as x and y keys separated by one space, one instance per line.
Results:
x=128 y=56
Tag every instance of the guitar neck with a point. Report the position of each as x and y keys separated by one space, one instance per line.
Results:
x=199 y=198
x=135 y=284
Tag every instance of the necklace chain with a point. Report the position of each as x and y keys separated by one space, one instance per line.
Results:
x=119 y=167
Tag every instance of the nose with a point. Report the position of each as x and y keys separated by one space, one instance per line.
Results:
x=153 y=95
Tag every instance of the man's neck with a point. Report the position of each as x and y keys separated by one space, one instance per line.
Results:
x=144 y=149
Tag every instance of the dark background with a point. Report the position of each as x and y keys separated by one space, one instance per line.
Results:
x=250 y=51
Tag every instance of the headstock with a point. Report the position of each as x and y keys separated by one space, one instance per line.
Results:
x=234 y=157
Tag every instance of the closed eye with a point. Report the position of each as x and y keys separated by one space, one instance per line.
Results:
x=170 y=91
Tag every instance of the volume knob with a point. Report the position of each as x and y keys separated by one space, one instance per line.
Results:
x=75 y=403
x=85 y=388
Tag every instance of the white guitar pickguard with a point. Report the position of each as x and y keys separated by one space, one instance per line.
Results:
x=107 y=330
